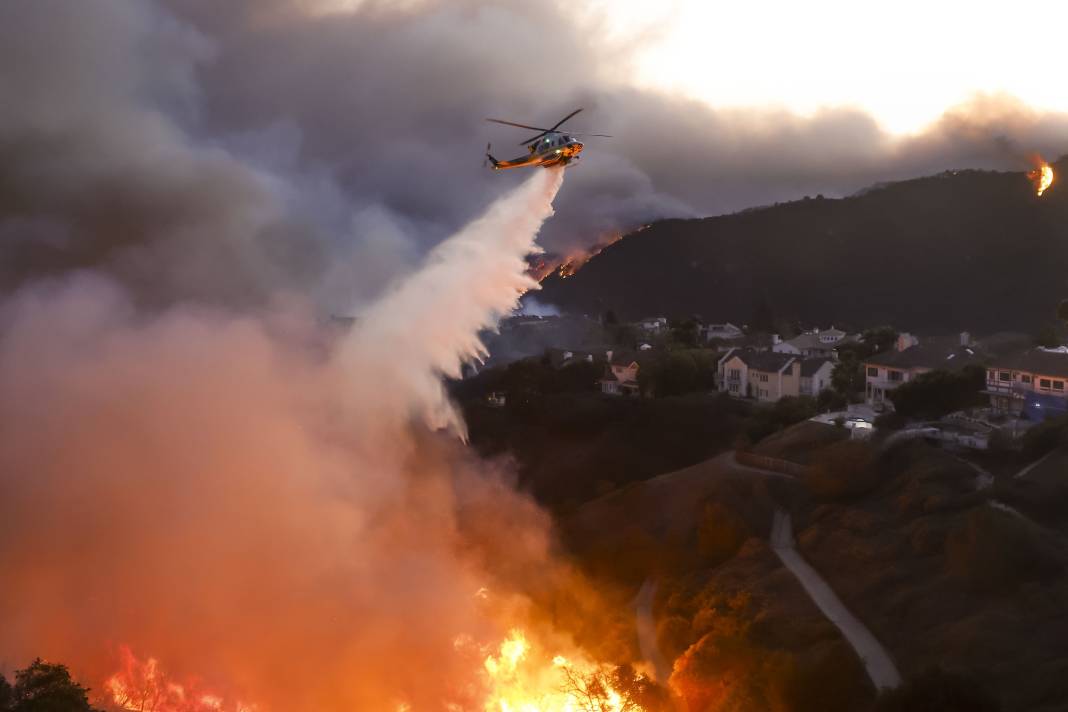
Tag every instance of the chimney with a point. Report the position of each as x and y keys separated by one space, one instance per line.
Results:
x=775 y=340
x=965 y=338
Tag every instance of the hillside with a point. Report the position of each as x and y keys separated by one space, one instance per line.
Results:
x=963 y=249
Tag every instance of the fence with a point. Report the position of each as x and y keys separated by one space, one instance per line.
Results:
x=775 y=464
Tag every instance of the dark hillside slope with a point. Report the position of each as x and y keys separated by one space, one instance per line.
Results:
x=971 y=249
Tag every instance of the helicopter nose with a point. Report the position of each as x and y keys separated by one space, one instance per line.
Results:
x=578 y=147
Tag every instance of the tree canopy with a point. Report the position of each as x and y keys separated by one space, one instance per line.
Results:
x=44 y=687
x=937 y=393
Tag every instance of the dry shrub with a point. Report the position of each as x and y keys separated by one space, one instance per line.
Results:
x=843 y=470
x=996 y=551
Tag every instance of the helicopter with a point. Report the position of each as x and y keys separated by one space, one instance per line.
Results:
x=548 y=148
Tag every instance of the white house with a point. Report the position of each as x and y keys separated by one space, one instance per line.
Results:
x=653 y=324
x=727 y=332
x=815 y=343
x=815 y=375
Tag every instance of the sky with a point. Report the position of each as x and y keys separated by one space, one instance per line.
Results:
x=904 y=62
x=228 y=152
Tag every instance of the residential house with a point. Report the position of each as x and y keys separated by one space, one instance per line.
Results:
x=815 y=375
x=763 y=375
x=621 y=375
x=727 y=332
x=1033 y=382
x=559 y=358
x=816 y=343
x=653 y=324
x=886 y=371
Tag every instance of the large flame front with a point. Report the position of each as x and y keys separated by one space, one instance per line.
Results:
x=143 y=686
x=1041 y=176
x=521 y=680
x=516 y=677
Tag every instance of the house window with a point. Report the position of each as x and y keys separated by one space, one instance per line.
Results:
x=990 y=375
x=1004 y=376
x=736 y=373
x=873 y=372
x=1025 y=378
x=894 y=375
x=763 y=378
x=1058 y=385
x=1043 y=383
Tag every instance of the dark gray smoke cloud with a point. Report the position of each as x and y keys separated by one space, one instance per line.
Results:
x=225 y=152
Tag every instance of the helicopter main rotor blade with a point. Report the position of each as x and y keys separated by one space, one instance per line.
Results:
x=522 y=126
x=561 y=121
x=585 y=134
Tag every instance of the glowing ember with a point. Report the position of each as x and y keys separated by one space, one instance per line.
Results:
x=1041 y=176
x=141 y=686
x=573 y=262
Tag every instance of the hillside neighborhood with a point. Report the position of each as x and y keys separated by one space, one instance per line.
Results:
x=852 y=377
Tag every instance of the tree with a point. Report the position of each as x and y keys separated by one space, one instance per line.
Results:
x=847 y=378
x=610 y=318
x=596 y=691
x=1047 y=336
x=936 y=393
x=45 y=687
x=1062 y=310
x=6 y=694
x=685 y=332
x=830 y=399
x=763 y=320
x=879 y=339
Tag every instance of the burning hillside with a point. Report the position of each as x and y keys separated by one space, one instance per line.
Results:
x=544 y=265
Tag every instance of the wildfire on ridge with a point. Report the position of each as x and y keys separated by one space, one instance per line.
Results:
x=515 y=677
x=142 y=686
x=1041 y=176
x=574 y=261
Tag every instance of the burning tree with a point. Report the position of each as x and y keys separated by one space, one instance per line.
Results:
x=613 y=689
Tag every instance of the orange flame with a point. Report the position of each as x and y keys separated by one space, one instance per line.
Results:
x=520 y=679
x=142 y=686
x=516 y=677
x=577 y=259
x=1041 y=176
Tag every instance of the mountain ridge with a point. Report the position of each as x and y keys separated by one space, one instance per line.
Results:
x=957 y=250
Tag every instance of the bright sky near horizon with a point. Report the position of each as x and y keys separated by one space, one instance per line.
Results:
x=904 y=62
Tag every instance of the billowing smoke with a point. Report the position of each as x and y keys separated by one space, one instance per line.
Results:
x=262 y=500
x=222 y=152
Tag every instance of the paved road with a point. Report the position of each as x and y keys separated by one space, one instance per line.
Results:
x=1023 y=472
x=877 y=661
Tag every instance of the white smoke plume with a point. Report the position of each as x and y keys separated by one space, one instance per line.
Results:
x=259 y=505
